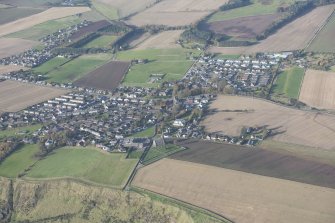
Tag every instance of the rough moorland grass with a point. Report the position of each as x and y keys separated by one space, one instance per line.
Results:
x=38 y=31
x=172 y=62
x=324 y=42
x=50 y=65
x=252 y=10
x=149 y=132
x=101 y=42
x=288 y=83
x=20 y=160
x=107 y=10
x=12 y=14
x=158 y=153
x=87 y=164
x=26 y=130
x=77 y=68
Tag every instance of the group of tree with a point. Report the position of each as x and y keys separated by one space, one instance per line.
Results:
x=7 y=147
x=197 y=35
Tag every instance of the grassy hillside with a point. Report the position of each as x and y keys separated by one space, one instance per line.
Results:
x=87 y=164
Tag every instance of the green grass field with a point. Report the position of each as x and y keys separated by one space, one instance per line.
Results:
x=50 y=65
x=26 y=130
x=324 y=42
x=251 y=10
x=77 y=68
x=172 y=62
x=288 y=83
x=102 y=42
x=106 y=10
x=43 y=29
x=87 y=164
x=158 y=153
x=12 y=14
x=17 y=162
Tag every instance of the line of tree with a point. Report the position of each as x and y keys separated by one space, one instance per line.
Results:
x=232 y=4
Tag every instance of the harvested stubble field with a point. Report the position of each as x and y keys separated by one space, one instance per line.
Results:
x=163 y=40
x=258 y=161
x=13 y=46
x=242 y=197
x=15 y=96
x=50 y=14
x=318 y=89
x=245 y=27
x=231 y=113
x=9 y=68
x=175 y=12
x=106 y=77
x=286 y=38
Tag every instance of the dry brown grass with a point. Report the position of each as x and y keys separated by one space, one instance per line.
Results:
x=162 y=40
x=176 y=12
x=240 y=196
x=9 y=68
x=50 y=14
x=294 y=36
x=295 y=126
x=318 y=89
x=15 y=96
x=12 y=46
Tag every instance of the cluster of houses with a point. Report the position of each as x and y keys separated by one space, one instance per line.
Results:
x=243 y=74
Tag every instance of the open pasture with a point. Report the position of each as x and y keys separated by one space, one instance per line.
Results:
x=258 y=161
x=106 y=77
x=231 y=113
x=15 y=96
x=85 y=163
x=50 y=14
x=241 y=197
x=13 y=46
x=318 y=89
x=105 y=41
x=175 y=12
x=163 y=40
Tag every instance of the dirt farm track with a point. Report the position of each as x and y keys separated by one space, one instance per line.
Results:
x=242 y=197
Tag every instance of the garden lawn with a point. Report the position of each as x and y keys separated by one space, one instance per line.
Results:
x=85 y=163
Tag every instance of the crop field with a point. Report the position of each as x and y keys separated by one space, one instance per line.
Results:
x=50 y=14
x=15 y=96
x=20 y=160
x=232 y=113
x=9 y=68
x=46 y=28
x=172 y=62
x=163 y=40
x=244 y=27
x=318 y=89
x=125 y=8
x=241 y=197
x=88 y=164
x=175 y=12
x=106 y=77
x=91 y=28
x=105 y=41
x=258 y=161
x=289 y=82
x=14 y=13
x=13 y=46
x=77 y=68
x=324 y=41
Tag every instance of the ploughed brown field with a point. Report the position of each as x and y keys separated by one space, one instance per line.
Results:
x=91 y=28
x=50 y=14
x=13 y=46
x=257 y=161
x=106 y=77
x=229 y=114
x=239 y=196
x=176 y=12
x=15 y=96
x=245 y=27
x=318 y=89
